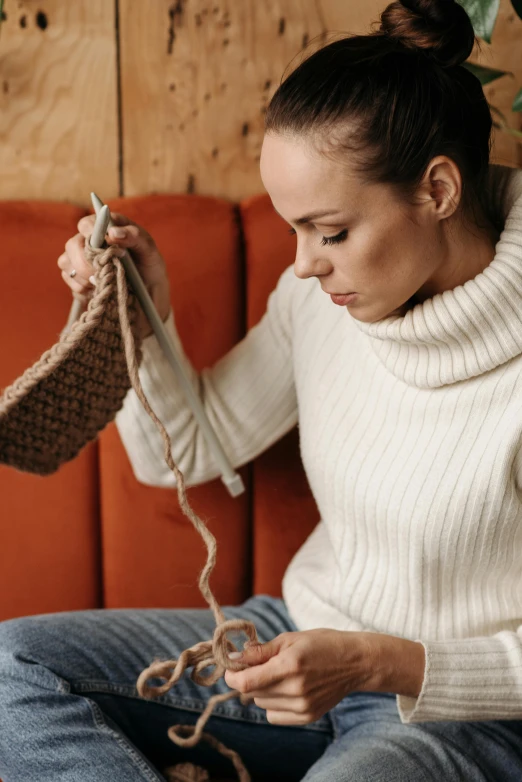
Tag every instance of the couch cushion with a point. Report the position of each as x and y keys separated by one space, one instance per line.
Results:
x=151 y=554
x=50 y=557
x=283 y=509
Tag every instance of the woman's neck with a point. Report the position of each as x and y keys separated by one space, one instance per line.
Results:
x=471 y=251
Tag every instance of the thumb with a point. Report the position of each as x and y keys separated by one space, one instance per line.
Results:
x=255 y=653
x=133 y=237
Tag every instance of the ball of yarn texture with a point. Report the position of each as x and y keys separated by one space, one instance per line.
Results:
x=76 y=388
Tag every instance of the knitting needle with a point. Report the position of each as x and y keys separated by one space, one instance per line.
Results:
x=230 y=478
x=74 y=314
x=97 y=240
x=101 y=226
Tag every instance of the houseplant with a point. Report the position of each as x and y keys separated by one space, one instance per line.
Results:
x=483 y=15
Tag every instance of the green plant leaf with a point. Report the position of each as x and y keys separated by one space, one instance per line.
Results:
x=496 y=110
x=512 y=132
x=483 y=15
x=503 y=124
x=517 y=103
x=485 y=75
x=517 y=5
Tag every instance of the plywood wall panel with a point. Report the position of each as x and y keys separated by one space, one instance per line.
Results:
x=197 y=75
x=195 y=79
x=58 y=100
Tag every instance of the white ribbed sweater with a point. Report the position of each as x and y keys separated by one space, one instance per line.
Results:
x=410 y=433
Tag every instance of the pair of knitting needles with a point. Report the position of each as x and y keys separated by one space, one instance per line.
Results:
x=230 y=478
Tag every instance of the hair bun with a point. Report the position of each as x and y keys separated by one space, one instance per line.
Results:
x=441 y=28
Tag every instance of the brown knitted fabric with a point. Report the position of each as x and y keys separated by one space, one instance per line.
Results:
x=75 y=389
x=70 y=394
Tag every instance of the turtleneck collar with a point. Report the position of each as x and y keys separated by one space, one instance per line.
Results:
x=473 y=328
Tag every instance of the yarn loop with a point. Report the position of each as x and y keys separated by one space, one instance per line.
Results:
x=205 y=654
x=59 y=405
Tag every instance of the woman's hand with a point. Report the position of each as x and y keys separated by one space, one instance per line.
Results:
x=125 y=234
x=297 y=677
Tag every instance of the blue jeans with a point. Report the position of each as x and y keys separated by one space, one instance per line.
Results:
x=69 y=712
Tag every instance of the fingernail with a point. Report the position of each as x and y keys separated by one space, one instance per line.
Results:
x=118 y=233
x=92 y=280
x=235 y=655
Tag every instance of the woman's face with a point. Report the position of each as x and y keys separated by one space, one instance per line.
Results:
x=371 y=242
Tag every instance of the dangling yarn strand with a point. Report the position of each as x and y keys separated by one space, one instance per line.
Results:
x=206 y=653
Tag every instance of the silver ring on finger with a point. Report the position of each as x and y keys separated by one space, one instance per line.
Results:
x=72 y=273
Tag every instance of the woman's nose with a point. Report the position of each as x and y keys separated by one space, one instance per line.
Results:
x=308 y=264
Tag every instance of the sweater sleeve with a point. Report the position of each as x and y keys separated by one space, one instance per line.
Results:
x=478 y=678
x=469 y=679
x=248 y=395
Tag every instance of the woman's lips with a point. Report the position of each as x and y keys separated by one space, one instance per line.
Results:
x=343 y=298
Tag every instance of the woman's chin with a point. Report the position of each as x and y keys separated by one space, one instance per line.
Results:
x=374 y=318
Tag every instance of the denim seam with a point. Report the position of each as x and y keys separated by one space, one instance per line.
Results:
x=100 y=723
x=129 y=691
x=36 y=674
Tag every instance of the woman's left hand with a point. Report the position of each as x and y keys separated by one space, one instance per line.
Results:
x=297 y=677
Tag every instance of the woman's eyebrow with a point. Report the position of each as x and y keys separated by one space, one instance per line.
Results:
x=310 y=217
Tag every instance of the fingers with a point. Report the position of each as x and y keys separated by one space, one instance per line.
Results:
x=258 y=653
x=75 y=251
x=80 y=282
x=86 y=224
x=294 y=705
x=128 y=235
x=259 y=677
x=76 y=287
x=288 y=718
x=284 y=688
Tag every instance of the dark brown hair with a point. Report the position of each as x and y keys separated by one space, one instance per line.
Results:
x=395 y=99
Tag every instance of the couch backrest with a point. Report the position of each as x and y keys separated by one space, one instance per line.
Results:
x=91 y=535
x=50 y=552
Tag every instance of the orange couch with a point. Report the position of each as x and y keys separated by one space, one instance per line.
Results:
x=90 y=535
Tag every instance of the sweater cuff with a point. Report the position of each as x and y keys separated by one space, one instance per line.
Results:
x=468 y=679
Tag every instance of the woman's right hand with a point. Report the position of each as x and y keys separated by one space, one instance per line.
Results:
x=149 y=263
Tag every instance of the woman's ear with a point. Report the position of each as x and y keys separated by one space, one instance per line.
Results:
x=441 y=186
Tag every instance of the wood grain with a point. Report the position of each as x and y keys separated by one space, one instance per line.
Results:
x=196 y=77
x=58 y=100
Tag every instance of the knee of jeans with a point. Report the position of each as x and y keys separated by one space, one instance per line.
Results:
x=17 y=636
x=26 y=655
x=24 y=639
x=407 y=755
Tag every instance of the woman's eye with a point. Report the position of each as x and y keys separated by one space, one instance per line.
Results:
x=335 y=239
x=340 y=237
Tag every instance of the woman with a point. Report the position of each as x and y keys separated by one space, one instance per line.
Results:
x=396 y=653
